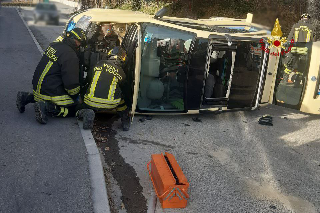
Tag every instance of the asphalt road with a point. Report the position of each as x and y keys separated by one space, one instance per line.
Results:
x=232 y=163
x=45 y=34
x=43 y=168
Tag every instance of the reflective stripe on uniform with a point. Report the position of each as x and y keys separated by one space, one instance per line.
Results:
x=304 y=28
x=112 y=88
x=59 y=39
x=286 y=70
x=76 y=34
x=45 y=71
x=296 y=34
x=66 y=111
x=103 y=101
x=99 y=105
x=119 y=109
x=300 y=50
x=63 y=103
x=122 y=106
x=73 y=91
x=94 y=83
x=122 y=101
x=63 y=111
x=58 y=100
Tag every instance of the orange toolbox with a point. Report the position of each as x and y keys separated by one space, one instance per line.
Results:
x=169 y=182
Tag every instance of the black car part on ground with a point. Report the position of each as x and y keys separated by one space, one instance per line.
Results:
x=266 y=120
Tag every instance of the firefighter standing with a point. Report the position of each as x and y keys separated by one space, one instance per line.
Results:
x=301 y=32
x=55 y=81
x=106 y=90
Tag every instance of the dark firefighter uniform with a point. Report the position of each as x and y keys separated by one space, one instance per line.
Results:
x=56 y=78
x=301 y=32
x=55 y=81
x=104 y=89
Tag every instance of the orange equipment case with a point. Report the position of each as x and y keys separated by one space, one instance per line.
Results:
x=169 y=182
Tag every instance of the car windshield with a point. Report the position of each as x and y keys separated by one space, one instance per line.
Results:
x=163 y=69
x=51 y=7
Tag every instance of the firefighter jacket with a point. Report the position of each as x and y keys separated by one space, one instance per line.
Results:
x=56 y=77
x=301 y=32
x=105 y=84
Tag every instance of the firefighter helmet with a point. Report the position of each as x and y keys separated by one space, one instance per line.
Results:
x=305 y=15
x=77 y=34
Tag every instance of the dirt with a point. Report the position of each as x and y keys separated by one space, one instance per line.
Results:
x=122 y=172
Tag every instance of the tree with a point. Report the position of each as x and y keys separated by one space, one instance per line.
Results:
x=136 y=4
x=314 y=11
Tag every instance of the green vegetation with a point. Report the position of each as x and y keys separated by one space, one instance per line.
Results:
x=264 y=12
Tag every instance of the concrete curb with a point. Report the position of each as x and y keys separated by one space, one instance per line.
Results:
x=98 y=184
x=99 y=192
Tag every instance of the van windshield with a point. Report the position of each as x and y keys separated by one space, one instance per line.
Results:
x=163 y=68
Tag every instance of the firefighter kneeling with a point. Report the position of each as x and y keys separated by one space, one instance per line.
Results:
x=106 y=91
x=56 y=84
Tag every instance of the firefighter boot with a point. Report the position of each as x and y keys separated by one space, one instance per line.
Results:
x=125 y=120
x=87 y=115
x=41 y=112
x=44 y=109
x=23 y=98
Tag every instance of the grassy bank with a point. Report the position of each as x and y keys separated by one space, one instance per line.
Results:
x=264 y=12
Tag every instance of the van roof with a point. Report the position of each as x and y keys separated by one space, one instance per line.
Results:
x=202 y=27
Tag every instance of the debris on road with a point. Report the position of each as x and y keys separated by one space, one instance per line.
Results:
x=142 y=120
x=196 y=119
x=266 y=120
x=149 y=117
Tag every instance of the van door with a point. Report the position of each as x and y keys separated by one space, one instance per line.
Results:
x=235 y=67
x=292 y=76
x=218 y=72
x=248 y=73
